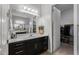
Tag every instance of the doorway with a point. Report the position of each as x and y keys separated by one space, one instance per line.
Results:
x=64 y=44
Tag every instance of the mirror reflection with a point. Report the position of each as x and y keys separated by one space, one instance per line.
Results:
x=21 y=22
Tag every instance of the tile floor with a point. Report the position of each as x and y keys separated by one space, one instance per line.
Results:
x=65 y=49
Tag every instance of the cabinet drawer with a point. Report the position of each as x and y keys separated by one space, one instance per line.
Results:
x=19 y=48
x=17 y=44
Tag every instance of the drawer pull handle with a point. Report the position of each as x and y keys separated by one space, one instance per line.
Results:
x=18 y=44
x=19 y=52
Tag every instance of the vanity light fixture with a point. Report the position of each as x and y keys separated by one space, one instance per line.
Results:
x=26 y=8
x=30 y=10
x=34 y=11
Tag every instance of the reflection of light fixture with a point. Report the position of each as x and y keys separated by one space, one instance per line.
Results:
x=19 y=22
x=30 y=23
x=32 y=10
x=16 y=25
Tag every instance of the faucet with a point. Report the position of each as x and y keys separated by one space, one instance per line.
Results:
x=13 y=35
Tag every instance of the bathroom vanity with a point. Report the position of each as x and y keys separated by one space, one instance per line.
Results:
x=28 y=46
x=23 y=38
x=20 y=35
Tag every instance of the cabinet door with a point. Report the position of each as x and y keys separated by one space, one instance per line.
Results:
x=43 y=44
x=32 y=46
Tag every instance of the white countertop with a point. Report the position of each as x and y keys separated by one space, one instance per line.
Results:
x=21 y=37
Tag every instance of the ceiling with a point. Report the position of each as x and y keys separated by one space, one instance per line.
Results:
x=63 y=7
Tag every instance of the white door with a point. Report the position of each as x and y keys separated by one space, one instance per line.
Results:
x=56 y=28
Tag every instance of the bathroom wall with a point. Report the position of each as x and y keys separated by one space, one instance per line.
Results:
x=0 y=27
x=5 y=19
x=78 y=29
x=67 y=17
x=46 y=21
x=78 y=14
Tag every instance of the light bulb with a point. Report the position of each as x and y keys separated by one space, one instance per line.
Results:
x=25 y=7
x=29 y=9
x=36 y=11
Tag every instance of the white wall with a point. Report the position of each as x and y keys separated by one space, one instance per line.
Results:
x=46 y=21
x=4 y=45
x=67 y=17
x=56 y=28
x=78 y=28
x=78 y=14
x=0 y=27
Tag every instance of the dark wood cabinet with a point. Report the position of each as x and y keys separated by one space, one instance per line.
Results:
x=29 y=47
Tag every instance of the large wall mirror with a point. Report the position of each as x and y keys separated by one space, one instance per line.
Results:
x=21 y=22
